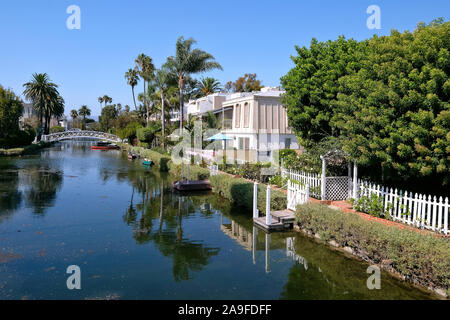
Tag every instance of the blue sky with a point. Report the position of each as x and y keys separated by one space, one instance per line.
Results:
x=245 y=36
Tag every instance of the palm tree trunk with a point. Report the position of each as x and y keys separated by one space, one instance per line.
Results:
x=145 y=100
x=134 y=98
x=181 y=87
x=181 y=84
x=163 y=120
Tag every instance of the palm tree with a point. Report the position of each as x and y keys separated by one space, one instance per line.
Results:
x=145 y=69
x=84 y=112
x=132 y=77
x=45 y=97
x=162 y=82
x=100 y=100
x=107 y=99
x=208 y=86
x=189 y=61
x=74 y=115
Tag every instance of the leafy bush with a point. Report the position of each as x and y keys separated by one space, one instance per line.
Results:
x=278 y=181
x=18 y=139
x=147 y=134
x=129 y=132
x=424 y=258
x=240 y=192
x=57 y=129
x=195 y=172
x=372 y=205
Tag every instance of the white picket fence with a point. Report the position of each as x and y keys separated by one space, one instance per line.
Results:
x=313 y=180
x=297 y=195
x=213 y=169
x=421 y=211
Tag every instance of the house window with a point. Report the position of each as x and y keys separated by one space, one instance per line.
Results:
x=244 y=143
x=287 y=143
x=237 y=116
x=246 y=112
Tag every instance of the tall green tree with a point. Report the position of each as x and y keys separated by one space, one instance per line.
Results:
x=188 y=61
x=394 y=114
x=11 y=109
x=132 y=77
x=247 y=83
x=162 y=82
x=312 y=85
x=45 y=98
x=84 y=112
x=386 y=100
x=107 y=99
x=208 y=86
x=74 y=115
x=100 y=100
x=145 y=69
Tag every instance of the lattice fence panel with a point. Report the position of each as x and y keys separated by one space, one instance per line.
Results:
x=338 y=188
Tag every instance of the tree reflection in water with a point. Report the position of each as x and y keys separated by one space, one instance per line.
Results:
x=10 y=195
x=159 y=202
x=42 y=187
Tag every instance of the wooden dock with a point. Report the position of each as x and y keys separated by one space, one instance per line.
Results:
x=280 y=221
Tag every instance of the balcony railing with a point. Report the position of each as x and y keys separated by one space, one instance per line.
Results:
x=228 y=124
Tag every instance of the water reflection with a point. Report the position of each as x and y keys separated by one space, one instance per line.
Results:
x=158 y=204
x=42 y=187
x=136 y=237
x=10 y=195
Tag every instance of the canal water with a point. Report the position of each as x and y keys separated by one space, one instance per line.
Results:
x=133 y=237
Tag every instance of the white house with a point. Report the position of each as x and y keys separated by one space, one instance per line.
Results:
x=256 y=121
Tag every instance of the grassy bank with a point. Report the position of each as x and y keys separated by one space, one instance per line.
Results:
x=240 y=192
x=165 y=164
x=419 y=258
x=14 y=152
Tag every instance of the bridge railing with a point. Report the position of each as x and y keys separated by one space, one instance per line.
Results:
x=80 y=134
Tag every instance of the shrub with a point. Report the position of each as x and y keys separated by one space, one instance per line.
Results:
x=195 y=172
x=278 y=181
x=57 y=129
x=147 y=134
x=372 y=205
x=240 y=192
x=422 y=258
x=129 y=132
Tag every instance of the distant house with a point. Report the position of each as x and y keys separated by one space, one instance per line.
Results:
x=256 y=121
x=30 y=114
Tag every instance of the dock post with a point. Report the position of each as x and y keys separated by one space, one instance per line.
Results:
x=267 y=252
x=268 y=217
x=254 y=239
x=188 y=170
x=255 y=201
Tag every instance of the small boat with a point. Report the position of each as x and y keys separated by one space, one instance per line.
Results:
x=148 y=162
x=195 y=185
x=131 y=156
x=105 y=146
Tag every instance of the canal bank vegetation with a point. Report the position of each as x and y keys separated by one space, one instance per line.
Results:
x=14 y=152
x=417 y=257
x=240 y=192
x=163 y=162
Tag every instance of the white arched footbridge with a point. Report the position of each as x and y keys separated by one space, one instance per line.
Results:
x=67 y=135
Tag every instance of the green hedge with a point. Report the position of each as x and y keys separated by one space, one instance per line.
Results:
x=421 y=258
x=195 y=172
x=240 y=192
